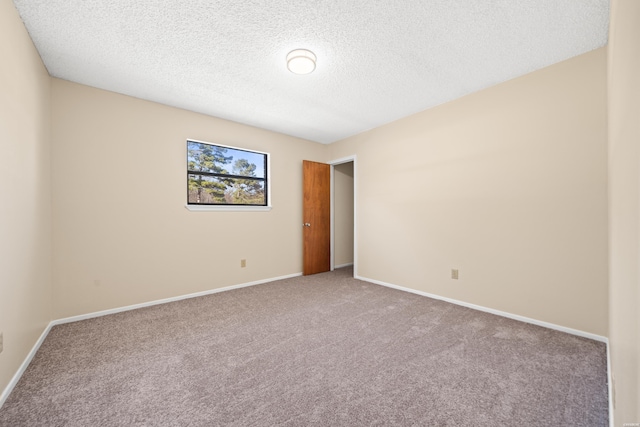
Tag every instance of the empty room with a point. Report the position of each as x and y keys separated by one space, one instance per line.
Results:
x=320 y=213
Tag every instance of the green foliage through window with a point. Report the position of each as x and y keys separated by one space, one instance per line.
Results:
x=219 y=175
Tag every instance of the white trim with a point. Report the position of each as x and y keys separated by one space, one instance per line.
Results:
x=349 y=264
x=14 y=380
x=23 y=367
x=571 y=331
x=610 y=386
x=342 y=160
x=332 y=218
x=238 y=208
x=167 y=300
x=251 y=150
x=355 y=216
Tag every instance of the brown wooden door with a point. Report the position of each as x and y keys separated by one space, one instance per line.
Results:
x=316 y=217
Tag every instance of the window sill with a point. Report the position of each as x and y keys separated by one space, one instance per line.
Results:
x=209 y=208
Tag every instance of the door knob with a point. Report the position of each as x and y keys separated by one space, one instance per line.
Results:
x=306 y=224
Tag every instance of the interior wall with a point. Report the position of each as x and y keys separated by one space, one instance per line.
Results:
x=624 y=207
x=122 y=234
x=507 y=185
x=25 y=210
x=343 y=214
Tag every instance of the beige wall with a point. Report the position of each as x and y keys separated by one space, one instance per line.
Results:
x=25 y=210
x=508 y=185
x=343 y=213
x=122 y=234
x=624 y=208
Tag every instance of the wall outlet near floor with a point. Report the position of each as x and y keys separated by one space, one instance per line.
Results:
x=243 y=263
x=454 y=273
x=1 y=345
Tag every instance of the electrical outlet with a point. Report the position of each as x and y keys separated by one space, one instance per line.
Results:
x=454 y=273
x=1 y=345
x=243 y=263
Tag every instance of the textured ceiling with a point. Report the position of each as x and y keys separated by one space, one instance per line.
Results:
x=378 y=61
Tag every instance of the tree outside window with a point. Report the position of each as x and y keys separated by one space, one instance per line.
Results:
x=221 y=175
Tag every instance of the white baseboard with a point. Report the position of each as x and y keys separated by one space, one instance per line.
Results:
x=9 y=388
x=349 y=264
x=610 y=386
x=167 y=300
x=492 y=311
x=23 y=367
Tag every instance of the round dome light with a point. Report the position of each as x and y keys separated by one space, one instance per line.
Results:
x=301 y=61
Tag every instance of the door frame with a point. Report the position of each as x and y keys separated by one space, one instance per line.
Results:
x=334 y=163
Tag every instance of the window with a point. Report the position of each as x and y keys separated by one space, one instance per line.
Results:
x=218 y=175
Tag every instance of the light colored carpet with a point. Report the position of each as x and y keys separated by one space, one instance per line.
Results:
x=324 y=350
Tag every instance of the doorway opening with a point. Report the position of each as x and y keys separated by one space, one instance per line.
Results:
x=343 y=214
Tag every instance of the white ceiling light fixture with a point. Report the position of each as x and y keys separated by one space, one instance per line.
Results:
x=301 y=61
